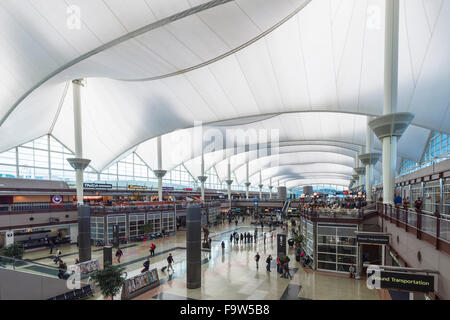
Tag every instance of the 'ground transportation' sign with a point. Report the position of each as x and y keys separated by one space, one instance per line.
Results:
x=381 y=279
x=372 y=238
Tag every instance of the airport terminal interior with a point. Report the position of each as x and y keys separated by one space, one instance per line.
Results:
x=225 y=150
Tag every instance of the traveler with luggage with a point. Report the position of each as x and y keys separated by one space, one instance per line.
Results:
x=170 y=262
x=62 y=268
x=268 y=261
x=146 y=265
x=152 y=250
x=119 y=254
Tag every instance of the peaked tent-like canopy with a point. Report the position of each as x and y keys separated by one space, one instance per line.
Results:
x=313 y=70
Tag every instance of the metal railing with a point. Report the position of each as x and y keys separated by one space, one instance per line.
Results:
x=28 y=267
x=36 y=206
x=47 y=206
x=434 y=224
x=338 y=213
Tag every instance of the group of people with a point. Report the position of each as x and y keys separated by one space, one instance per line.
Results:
x=245 y=237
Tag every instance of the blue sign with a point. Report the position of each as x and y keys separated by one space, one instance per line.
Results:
x=256 y=201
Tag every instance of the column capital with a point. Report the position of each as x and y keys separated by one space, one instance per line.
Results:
x=159 y=173
x=360 y=170
x=79 y=82
x=202 y=178
x=229 y=182
x=248 y=184
x=355 y=177
x=78 y=163
x=270 y=187
x=261 y=186
x=369 y=158
x=392 y=124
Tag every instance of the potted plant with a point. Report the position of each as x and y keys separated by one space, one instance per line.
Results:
x=147 y=229
x=13 y=251
x=298 y=241
x=109 y=280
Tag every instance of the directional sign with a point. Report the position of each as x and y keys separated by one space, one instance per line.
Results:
x=372 y=238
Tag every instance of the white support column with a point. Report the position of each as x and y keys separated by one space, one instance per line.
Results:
x=369 y=167
x=160 y=177
x=229 y=181
x=203 y=180
x=390 y=96
x=260 y=185
x=270 y=188
x=78 y=163
x=247 y=183
x=159 y=173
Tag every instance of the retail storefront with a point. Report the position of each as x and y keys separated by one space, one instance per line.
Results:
x=336 y=247
x=131 y=226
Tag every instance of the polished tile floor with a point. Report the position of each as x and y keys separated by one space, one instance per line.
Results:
x=226 y=275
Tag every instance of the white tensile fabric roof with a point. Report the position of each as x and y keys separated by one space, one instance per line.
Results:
x=313 y=70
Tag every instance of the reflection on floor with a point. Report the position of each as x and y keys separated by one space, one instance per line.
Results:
x=228 y=274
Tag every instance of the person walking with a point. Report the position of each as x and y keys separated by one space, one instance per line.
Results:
x=51 y=245
x=62 y=268
x=278 y=265
x=242 y=237
x=268 y=261
x=231 y=238
x=285 y=267
x=152 y=249
x=264 y=238
x=146 y=265
x=170 y=262
x=57 y=256
x=223 y=246
x=119 y=254
x=257 y=257
x=236 y=222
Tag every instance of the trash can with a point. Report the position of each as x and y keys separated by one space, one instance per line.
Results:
x=291 y=242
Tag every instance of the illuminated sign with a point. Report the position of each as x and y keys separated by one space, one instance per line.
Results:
x=97 y=186
x=401 y=280
x=135 y=187
x=372 y=238
x=57 y=199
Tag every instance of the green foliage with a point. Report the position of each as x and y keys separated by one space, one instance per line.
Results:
x=109 y=280
x=13 y=250
x=299 y=240
x=148 y=228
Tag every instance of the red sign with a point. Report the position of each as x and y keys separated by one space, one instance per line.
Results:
x=188 y=189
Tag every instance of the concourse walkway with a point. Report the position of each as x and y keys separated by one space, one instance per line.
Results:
x=227 y=275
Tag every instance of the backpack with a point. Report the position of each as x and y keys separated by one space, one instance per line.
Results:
x=268 y=260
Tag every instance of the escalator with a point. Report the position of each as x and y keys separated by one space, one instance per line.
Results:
x=37 y=281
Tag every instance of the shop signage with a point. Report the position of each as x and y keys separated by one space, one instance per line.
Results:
x=188 y=189
x=97 y=186
x=9 y=238
x=401 y=280
x=372 y=238
x=167 y=188
x=135 y=187
x=57 y=199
